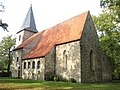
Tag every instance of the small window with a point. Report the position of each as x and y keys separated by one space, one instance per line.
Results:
x=38 y=64
x=19 y=37
x=65 y=59
x=28 y=65
x=24 y=65
x=19 y=67
x=38 y=72
x=17 y=59
x=33 y=65
x=92 y=66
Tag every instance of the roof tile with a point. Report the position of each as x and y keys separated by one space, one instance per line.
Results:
x=64 y=32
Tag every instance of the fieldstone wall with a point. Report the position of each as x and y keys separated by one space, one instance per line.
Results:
x=36 y=73
x=16 y=63
x=22 y=36
x=50 y=61
x=91 y=54
x=27 y=34
x=68 y=62
x=106 y=69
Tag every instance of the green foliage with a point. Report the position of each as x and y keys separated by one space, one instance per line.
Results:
x=72 y=80
x=113 y=6
x=49 y=76
x=5 y=45
x=56 y=78
x=60 y=78
x=109 y=32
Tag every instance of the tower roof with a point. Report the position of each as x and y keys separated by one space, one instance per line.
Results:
x=29 y=22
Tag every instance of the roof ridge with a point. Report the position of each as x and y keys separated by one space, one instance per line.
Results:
x=66 y=31
x=68 y=19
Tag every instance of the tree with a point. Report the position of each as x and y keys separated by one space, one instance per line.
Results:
x=107 y=24
x=113 y=6
x=5 y=46
x=109 y=32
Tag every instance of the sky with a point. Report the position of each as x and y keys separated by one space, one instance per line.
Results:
x=47 y=13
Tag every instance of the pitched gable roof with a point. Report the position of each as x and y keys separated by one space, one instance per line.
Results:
x=64 y=32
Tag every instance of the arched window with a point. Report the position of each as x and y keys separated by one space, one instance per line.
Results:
x=92 y=62
x=24 y=65
x=28 y=65
x=65 y=59
x=33 y=65
x=38 y=64
x=17 y=59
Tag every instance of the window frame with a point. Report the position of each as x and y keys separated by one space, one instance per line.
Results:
x=29 y=65
x=65 y=60
x=38 y=64
x=33 y=65
x=17 y=59
x=92 y=62
x=24 y=65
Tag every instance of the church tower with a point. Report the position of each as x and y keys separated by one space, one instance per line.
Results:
x=27 y=29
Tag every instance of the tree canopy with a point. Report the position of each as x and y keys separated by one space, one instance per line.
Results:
x=113 y=6
x=5 y=45
x=108 y=26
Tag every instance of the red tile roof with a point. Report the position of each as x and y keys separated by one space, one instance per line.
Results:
x=64 y=32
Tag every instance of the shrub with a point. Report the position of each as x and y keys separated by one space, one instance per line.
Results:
x=72 y=80
x=49 y=76
x=60 y=78
x=56 y=78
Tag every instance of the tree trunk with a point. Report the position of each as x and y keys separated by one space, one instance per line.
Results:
x=8 y=69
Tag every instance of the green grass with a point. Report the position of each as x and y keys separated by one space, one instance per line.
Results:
x=20 y=84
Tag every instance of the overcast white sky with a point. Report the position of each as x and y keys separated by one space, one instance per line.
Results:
x=47 y=13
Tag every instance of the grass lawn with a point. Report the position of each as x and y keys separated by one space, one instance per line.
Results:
x=20 y=84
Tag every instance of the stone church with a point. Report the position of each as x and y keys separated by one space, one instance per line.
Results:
x=70 y=49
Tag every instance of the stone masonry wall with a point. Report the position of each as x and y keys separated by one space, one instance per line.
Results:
x=36 y=73
x=27 y=34
x=106 y=69
x=16 y=63
x=23 y=35
x=90 y=54
x=50 y=61
x=68 y=63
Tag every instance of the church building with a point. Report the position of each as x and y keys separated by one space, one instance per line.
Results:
x=70 y=49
